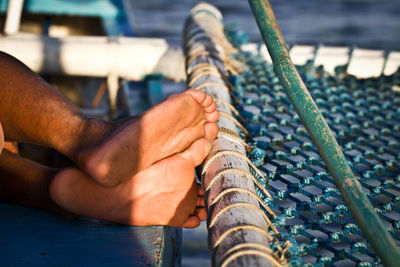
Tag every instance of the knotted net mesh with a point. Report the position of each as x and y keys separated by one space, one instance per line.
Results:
x=364 y=115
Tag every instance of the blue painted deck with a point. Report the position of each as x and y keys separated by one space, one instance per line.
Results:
x=30 y=237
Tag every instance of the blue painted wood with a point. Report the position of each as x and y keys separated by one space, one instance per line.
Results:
x=154 y=89
x=30 y=237
x=91 y=8
x=111 y=12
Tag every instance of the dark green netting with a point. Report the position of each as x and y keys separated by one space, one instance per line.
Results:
x=364 y=115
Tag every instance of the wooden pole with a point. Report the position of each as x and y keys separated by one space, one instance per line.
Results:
x=238 y=230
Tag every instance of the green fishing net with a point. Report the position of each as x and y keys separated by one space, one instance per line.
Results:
x=364 y=115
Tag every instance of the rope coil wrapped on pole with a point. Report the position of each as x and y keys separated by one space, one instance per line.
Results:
x=240 y=232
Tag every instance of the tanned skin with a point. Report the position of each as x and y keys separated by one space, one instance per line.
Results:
x=164 y=144
x=31 y=111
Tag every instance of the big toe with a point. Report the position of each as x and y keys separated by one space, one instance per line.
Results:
x=197 y=151
x=211 y=130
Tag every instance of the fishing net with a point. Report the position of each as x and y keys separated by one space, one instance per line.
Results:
x=364 y=115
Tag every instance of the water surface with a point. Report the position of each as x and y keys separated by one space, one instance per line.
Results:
x=363 y=23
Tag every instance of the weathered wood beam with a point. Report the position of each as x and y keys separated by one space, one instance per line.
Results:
x=96 y=56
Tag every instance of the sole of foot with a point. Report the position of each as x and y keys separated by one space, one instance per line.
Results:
x=165 y=129
x=163 y=194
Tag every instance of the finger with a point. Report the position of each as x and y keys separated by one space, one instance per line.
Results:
x=192 y=222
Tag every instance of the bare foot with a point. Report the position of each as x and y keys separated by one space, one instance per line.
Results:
x=163 y=194
x=164 y=130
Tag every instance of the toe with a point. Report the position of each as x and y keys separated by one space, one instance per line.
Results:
x=197 y=151
x=192 y=222
x=211 y=130
x=211 y=108
x=200 y=201
x=199 y=96
x=201 y=213
x=208 y=101
x=200 y=191
x=213 y=116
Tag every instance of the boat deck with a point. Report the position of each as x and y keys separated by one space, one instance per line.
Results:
x=31 y=237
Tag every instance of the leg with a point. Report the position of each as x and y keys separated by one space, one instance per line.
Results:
x=31 y=111
x=163 y=194
x=26 y=183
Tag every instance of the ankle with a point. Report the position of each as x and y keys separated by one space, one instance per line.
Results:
x=89 y=134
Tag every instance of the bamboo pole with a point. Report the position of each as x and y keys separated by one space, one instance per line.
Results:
x=237 y=227
x=360 y=206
